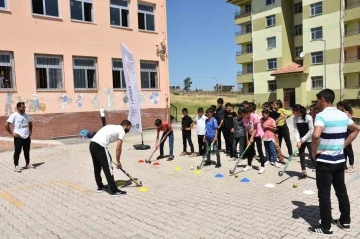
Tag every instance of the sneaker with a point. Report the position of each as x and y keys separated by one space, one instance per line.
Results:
x=267 y=163
x=17 y=169
x=262 y=170
x=218 y=165
x=192 y=155
x=277 y=165
x=303 y=176
x=160 y=157
x=29 y=166
x=247 y=168
x=183 y=154
x=207 y=163
x=320 y=231
x=102 y=189
x=117 y=193
x=170 y=158
x=345 y=227
x=272 y=163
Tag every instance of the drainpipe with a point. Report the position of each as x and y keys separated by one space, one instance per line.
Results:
x=252 y=53
x=341 y=49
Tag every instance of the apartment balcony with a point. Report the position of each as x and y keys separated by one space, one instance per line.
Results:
x=352 y=37
x=244 y=77
x=238 y=2
x=352 y=10
x=352 y=64
x=242 y=17
x=242 y=37
x=351 y=93
x=243 y=57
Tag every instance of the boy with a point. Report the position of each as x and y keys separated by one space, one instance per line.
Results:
x=200 y=122
x=167 y=132
x=186 y=125
x=211 y=131
x=229 y=116
x=239 y=134
x=220 y=111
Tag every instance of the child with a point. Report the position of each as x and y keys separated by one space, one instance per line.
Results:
x=348 y=150
x=220 y=111
x=239 y=134
x=253 y=132
x=167 y=133
x=186 y=125
x=211 y=131
x=269 y=126
x=229 y=129
x=303 y=130
x=281 y=125
x=200 y=122
x=314 y=110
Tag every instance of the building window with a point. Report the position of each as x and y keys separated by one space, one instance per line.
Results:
x=48 y=72
x=248 y=8
x=316 y=33
x=298 y=30
x=298 y=50
x=316 y=9
x=345 y=82
x=249 y=68
x=359 y=79
x=118 y=75
x=272 y=64
x=251 y=88
x=248 y=28
x=81 y=10
x=272 y=85
x=6 y=70
x=317 y=57
x=146 y=17
x=45 y=7
x=119 y=13
x=84 y=73
x=268 y=2
x=270 y=21
x=298 y=7
x=3 y=4
x=271 y=42
x=317 y=82
x=149 y=75
x=249 y=48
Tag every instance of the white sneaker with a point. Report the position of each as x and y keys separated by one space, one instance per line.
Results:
x=17 y=169
x=267 y=163
x=29 y=166
x=272 y=163
x=262 y=170
x=247 y=168
x=277 y=165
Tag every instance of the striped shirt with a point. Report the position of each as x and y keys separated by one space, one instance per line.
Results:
x=334 y=123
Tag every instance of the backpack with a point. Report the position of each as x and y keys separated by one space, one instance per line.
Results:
x=84 y=133
x=91 y=134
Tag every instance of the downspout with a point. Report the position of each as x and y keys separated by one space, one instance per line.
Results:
x=166 y=65
x=341 y=49
x=252 y=53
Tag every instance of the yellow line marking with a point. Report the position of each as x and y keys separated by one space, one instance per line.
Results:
x=7 y=196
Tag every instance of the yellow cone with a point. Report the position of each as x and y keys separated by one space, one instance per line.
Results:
x=177 y=168
x=198 y=171
x=143 y=189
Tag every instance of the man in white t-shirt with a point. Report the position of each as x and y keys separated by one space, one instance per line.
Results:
x=22 y=129
x=102 y=114
x=200 y=123
x=102 y=158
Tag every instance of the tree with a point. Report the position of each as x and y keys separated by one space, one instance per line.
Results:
x=187 y=84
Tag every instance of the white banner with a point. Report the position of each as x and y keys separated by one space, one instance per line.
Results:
x=131 y=85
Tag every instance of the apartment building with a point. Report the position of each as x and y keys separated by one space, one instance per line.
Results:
x=291 y=49
x=63 y=59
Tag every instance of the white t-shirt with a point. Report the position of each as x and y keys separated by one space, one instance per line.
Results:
x=109 y=134
x=102 y=112
x=200 y=122
x=20 y=124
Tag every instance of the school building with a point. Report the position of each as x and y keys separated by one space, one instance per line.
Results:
x=291 y=49
x=63 y=59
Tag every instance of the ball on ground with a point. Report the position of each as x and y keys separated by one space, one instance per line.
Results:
x=192 y=168
x=294 y=185
x=236 y=176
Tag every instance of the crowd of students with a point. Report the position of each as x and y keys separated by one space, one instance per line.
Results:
x=244 y=129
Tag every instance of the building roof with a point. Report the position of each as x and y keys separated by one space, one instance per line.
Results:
x=292 y=68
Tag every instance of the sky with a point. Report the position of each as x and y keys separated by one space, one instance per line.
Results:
x=201 y=42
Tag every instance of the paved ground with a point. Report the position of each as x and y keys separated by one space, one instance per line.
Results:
x=58 y=199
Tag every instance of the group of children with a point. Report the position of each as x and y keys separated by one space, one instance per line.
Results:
x=244 y=129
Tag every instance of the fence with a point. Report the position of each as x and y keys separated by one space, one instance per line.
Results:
x=212 y=93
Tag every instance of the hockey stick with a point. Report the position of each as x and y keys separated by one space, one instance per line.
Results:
x=207 y=152
x=281 y=173
x=238 y=160
x=131 y=178
x=152 y=154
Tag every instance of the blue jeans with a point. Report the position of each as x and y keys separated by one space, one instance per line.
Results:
x=270 y=150
x=171 y=144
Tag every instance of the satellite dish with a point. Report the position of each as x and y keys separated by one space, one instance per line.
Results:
x=302 y=54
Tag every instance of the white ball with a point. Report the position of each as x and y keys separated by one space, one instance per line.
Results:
x=192 y=168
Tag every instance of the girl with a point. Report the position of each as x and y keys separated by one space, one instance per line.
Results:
x=239 y=134
x=283 y=129
x=253 y=132
x=348 y=151
x=303 y=130
x=269 y=126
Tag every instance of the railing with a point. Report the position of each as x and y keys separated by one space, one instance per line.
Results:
x=352 y=59
x=352 y=32
x=243 y=32
x=239 y=53
x=243 y=13
x=173 y=111
x=240 y=73
x=214 y=92
x=352 y=5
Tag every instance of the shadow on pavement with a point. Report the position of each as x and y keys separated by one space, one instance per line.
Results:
x=310 y=213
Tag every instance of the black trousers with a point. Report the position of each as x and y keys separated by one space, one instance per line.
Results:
x=103 y=120
x=241 y=142
x=24 y=144
x=302 y=154
x=250 y=154
x=284 y=133
x=229 y=138
x=201 y=144
x=189 y=140
x=221 y=130
x=327 y=174
x=102 y=160
x=349 y=154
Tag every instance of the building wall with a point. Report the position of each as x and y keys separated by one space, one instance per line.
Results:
x=28 y=34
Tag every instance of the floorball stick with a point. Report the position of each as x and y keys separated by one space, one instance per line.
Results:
x=152 y=154
x=131 y=178
x=281 y=173
x=238 y=160
x=204 y=157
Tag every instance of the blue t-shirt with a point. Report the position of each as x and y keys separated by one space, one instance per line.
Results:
x=210 y=127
